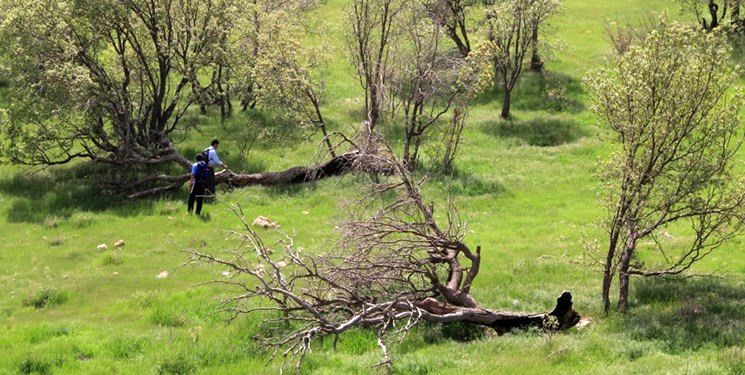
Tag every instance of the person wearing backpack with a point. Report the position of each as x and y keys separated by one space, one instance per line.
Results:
x=213 y=160
x=197 y=183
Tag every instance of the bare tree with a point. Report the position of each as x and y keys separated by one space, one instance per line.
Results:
x=622 y=36
x=423 y=85
x=511 y=25
x=451 y=14
x=393 y=269
x=667 y=103
x=713 y=13
x=372 y=24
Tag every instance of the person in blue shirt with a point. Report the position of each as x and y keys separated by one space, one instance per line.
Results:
x=213 y=160
x=197 y=183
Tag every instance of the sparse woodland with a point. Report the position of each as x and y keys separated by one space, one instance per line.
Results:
x=124 y=87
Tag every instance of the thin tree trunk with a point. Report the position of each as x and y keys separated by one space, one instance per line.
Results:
x=608 y=271
x=536 y=65
x=623 y=277
x=506 y=103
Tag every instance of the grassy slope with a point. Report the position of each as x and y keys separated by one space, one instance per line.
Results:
x=528 y=206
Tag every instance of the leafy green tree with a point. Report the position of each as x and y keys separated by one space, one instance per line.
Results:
x=670 y=105
x=289 y=76
x=511 y=26
x=107 y=81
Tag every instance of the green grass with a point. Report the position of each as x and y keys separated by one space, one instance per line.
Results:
x=526 y=186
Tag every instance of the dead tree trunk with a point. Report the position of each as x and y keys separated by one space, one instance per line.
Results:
x=392 y=269
x=337 y=166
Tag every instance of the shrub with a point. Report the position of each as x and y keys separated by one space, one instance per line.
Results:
x=462 y=332
x=178 y=365
x=29 y=365
x=82 y=219
x=167 y=316
x=57 y=241
x=53 y=221
x=47 y=297
x=112 y=260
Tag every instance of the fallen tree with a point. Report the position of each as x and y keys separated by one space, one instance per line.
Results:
x=337 y=166
x=393 y=268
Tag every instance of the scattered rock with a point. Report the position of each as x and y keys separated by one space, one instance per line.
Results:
x=306 y=213
x=226 y=273
x=119 y=243
x=115 y=273
x=583 y=323
x=162 y=275
x=281 y=264
x=102 y=246
x=265 y=223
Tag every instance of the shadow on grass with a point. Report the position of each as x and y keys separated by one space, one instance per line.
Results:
x=547 y=91
x=460 y=183
x=63 y=191
x=688 y=314
x=542 y=131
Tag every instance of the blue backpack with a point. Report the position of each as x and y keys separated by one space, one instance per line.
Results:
x=203 y=172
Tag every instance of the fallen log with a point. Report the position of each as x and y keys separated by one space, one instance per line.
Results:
x=337 y=166
x=563 y=316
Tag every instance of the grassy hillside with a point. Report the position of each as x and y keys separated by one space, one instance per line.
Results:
x=527 y=188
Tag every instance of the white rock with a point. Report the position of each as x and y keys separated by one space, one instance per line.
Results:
x=226 y=273
x=162 y=275
x=264 y=222
x=102 y=246
x=119 y=243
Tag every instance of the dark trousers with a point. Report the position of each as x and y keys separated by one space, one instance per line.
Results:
x=210 y=184
x=196 y=195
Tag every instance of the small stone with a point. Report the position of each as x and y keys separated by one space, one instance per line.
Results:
x=583 y=323
x=264 y=222
x=102 y=246
x=226 y=273
x=306 y=213
x=115 y=273
x=162 y=275
x=119 y=243
x=281 y=264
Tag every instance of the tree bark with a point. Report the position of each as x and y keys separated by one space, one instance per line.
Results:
x=502 y=321
x=506 y=103
x=536 y=64
x=337 y=166
x=623 y=278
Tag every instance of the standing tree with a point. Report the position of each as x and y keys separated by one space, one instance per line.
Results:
x=394 y=268
x=713 y=13
x=669 y=103
x=284 y=78
x=105 y=80
x=423 y=85
x=511 y=24
x=451 y=14
x=372 y=24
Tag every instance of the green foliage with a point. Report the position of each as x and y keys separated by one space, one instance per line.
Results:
x=47 y=297
x=462 y=332
x=31 y=365
x=671 y=106
x=526 y=206
x=177 y=365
